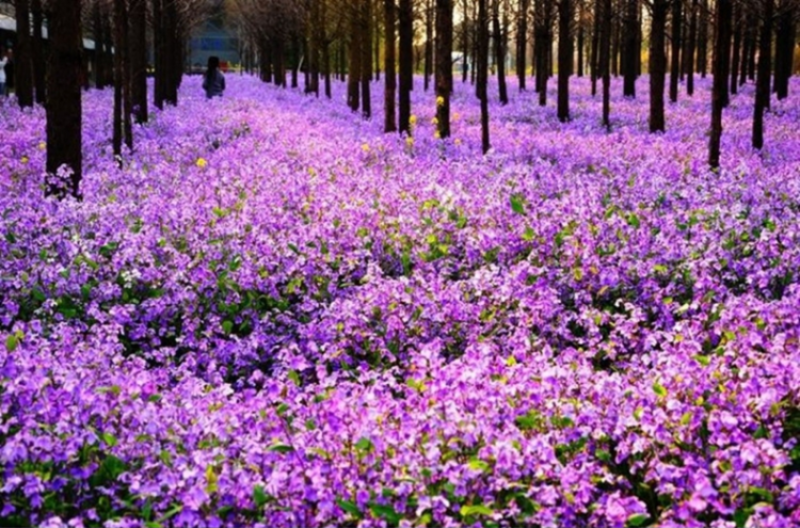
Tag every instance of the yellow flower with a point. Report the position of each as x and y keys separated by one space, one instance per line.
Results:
x=437 y=135
x=412 y=120
x=24 y=159
x=457 y=141
x=42 y=145
x=435 y=121
x=440 y=101
x=410 y=141
x=201 y=162
x=365 y=147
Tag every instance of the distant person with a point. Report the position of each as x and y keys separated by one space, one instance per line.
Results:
x=3 y=62
x=213 y=81
x=9 y=69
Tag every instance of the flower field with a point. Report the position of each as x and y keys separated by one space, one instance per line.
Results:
x=273 y=314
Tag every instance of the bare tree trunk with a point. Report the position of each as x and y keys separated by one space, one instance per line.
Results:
x=428 y=43
x=499 y=53
x=465 y=41
x=406 y=58
x=762 y=82
x=784 y=50
x=630 y=48
x=580 y=38
x=482 y=68
x=64 y=89
x=444 y=67
x=593 y=54
x=737 y=45
x=366 y=58
x=702 y=45
x=748 y=44
x=605 y=52
x=390 y=79
x=692 y=44
x=675 y=49
x=354 y=60
x=658 y=64
x=564 y=57
x=542 y=26
x=722 y=41
x=159 y=89
x=522 y=44
x=138 y=59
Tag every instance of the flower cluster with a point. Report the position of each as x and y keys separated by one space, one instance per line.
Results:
x=272 y=314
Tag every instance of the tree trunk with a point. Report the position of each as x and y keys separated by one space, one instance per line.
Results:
x=751 y=58
x=138 y=59
x=658 y=64
x=444 y=67
x=675 y=48
x=748 y=44
x=542 y=26
x=482 y=68
x=722 y=41
x=366 y=58
x=390 y=79
x=594 y=56
x=428 y=43
x=522 y=42
x=784 y=51
x=630 y=48
x=605 y=53
x=406 y=63
x=23 y=67
x=580 y=38
x=465 y=41
x=564 y=57
x=64 y=89
x=737 y=45
x=354 y=60
x=499 y=53
x=159 y=93
x=37 y=52
x=691 y=50
x=702 y=45
x=762 y=82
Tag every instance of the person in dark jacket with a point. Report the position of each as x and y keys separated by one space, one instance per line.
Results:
x=213 y=81
x=9 y=69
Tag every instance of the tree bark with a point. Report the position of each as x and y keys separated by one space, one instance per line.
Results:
x=702 y=44
x=465 y=41
x=37 y=52
x=499 y=53
x=737 y=45
x=428 y=43
x=522 y=41
x=604 y=59
x=762 y=82
x=630 y=48
x=675 y=49
x=542 y=21
x=354 y=60
x=657 y=64
x=366 y=58
x=444 y=65
x=690 y=55
x=580 y=38
x=482 y=67
x=64 y=88
x=406 y=58
x=594 y=56
x=564 y=57
x=138 y=59
x=722 y=41
x=159 y=92
x=390 y=78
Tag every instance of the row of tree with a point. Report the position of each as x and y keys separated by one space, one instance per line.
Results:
x=358 y=39
x=605 y=37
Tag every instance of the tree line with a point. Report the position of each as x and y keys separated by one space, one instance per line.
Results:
x=359 y=41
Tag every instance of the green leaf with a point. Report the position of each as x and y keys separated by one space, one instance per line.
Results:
x=109 y=439
x=171 y=513
x=260 y=498
x=603 y=455
x=281 y=448
x=703 y=360
x=212 y=480
x=11 y=343
x=517 y=203
x=660 y=390
x=385 y=511
x=227 y=326
x=477 y=464
x=294 y=376
x=633 y=220
x=475 y=509
x=529 y=234
x=528 y=421
x=349 y=507
x=364 y=444
x=638 y=519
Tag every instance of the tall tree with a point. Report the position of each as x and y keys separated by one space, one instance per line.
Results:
x=444 y=65
x=23 y=68
x=499 y=52
x=406 y=62
x=482 y=68
x=390 y=79
x=138 y=58
x=737 y=45
x=691 y=47
x=675 y=49
x=630 y=48
x=542 y=42
x=763 y=79
x=564 y=57
x=122 y=117
x=63 y=110
x=658 y=63
x=366 y=57
x=721 y=43
x=354 y=58
x=522 y=40
x=428 y=44
x=603 y=11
